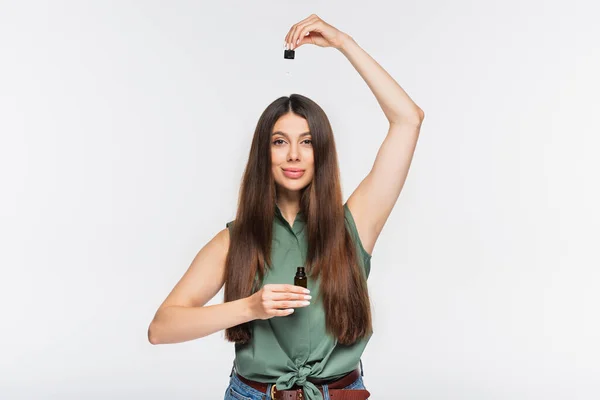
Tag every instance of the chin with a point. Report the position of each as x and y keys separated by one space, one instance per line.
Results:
x=292 y=185
x=295 y=186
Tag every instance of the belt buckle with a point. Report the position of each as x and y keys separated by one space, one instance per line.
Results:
x=300 y=394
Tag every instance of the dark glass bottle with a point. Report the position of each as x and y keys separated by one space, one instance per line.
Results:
x=300 y=278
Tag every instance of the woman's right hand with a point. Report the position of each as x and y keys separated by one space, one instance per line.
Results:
x=278 y=300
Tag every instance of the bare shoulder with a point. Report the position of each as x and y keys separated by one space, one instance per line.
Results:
x=205 y=275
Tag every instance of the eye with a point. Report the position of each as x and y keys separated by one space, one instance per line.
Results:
x=280 y=141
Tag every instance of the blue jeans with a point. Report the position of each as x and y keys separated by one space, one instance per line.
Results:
x=238 y=390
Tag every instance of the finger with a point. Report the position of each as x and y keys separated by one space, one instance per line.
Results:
x=290 y=36
x=283 y=287
x=295 y=39
x=282 y=313
x=285 y=304
x=278 y=296
x=314 y=26
x=304 y=39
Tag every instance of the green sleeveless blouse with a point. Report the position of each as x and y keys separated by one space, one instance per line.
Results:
x=288 y=350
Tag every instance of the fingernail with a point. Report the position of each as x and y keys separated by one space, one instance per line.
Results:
x=306 y=291
x=297 y=41
x=308 y=297
x=306 y=303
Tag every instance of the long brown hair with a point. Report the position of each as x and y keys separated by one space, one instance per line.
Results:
x=331 y=250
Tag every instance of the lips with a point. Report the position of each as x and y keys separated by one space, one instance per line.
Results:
x=293 y=173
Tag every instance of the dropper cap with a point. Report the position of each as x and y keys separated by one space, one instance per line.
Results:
x=288 y=54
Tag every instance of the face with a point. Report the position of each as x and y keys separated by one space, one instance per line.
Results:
x=291 y=149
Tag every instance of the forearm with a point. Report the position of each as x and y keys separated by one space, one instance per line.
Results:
x=175 y=324
x=394 y=101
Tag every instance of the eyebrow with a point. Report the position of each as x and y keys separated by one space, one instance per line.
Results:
x=286 y=135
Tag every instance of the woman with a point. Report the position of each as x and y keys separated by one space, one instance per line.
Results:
x=291 y=342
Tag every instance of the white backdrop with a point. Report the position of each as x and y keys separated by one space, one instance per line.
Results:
x=125 y=127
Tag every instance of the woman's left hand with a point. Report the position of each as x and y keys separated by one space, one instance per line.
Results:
x=315 y=31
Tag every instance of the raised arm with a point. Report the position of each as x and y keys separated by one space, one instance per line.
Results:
x=374 y=198
x=372 y=201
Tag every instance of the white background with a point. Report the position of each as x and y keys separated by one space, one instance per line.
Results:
x=125 y=127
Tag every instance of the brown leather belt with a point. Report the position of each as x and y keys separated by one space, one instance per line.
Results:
x=336 y=388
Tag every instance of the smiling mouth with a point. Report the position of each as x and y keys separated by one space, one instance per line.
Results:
x=293 y=173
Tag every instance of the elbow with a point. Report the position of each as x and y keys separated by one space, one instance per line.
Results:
x=415 y=117
x=152 y=334
x=421 y=114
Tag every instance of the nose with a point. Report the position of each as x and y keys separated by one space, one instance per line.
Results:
x=293 y=154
